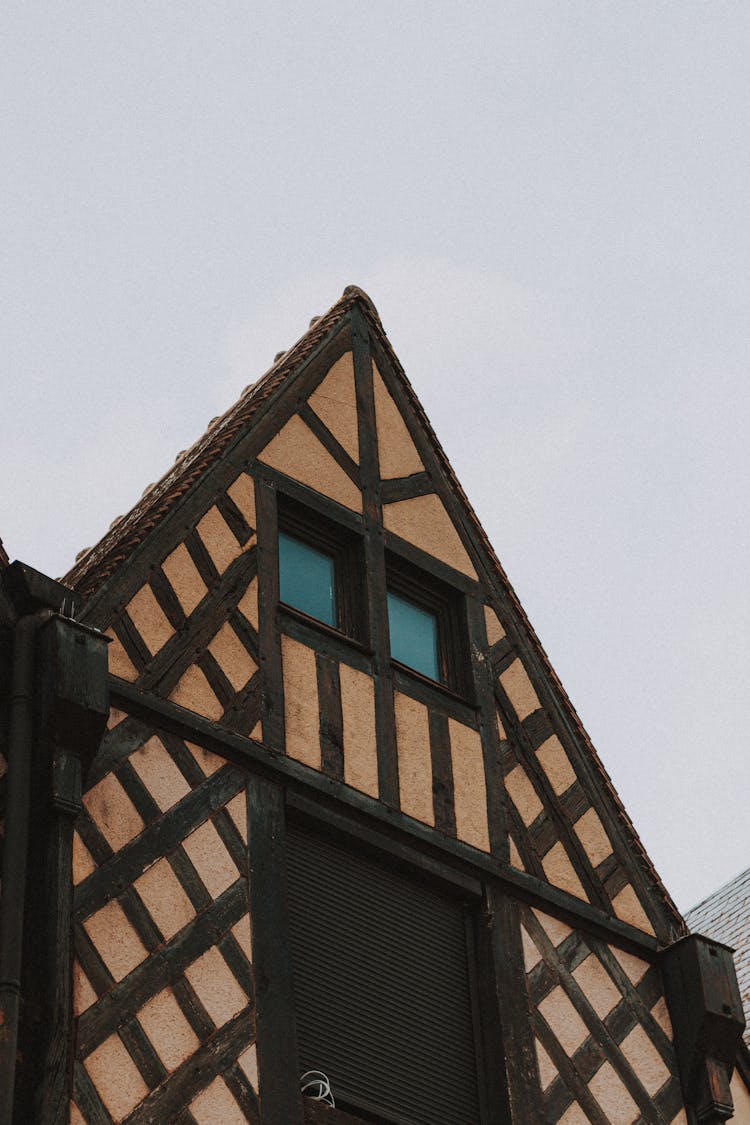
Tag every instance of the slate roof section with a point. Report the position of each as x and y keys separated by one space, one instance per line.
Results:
x=94 y=566
x=725 y=916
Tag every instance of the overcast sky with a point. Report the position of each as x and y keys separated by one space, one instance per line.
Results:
x=548 y=204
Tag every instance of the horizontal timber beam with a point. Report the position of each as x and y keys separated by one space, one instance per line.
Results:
x=254 y=755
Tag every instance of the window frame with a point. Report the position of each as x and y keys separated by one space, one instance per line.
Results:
x=448 y=605
x=346 y=549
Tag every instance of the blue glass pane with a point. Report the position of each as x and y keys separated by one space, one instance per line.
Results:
x=307 y=579
x=414 y=636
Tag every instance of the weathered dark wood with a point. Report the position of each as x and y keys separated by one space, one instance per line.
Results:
x=117 y=744
x=600 y=1035
x=87 y=1099
x=442 y=774
x=168 y=665
x=330 y=442
x=434 y=695
x=51 y=1054
x=512 y=1070
x=633 y=999
x=385 y=720
x=526 y=644
x=418 y=558
x=501 y=655
x=318 y=635
x=541 y=980
x=200 y=556
x=271 y=671
x=185 y=1083
x=474 y=925
x=559 y=827
x=482 y=677
x=157 y=839
x=167 y=599
x=574 y=802
x=243 y=1093
x=306 y=496
x=142 y=1053
x=217 y=679
x=250 y=753
x=277 y=1053
x=62 y=686
x=130 y=639
x=538 y=728
x=234 y=518
x=375 y=838
x=247 y=633
x=124 y=999
x=244 y=711
x=406 y=488
x=331 y=720
x=570 y=1086
x=613 y=879
x=588 y=1058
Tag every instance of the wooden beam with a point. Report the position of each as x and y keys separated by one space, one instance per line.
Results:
x=255 y=755
x=278 y=1065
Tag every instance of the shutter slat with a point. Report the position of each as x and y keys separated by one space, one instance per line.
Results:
x=382 y=995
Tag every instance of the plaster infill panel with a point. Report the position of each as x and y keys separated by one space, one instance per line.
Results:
x=469 y=785
x=424 y=522
x=301 y=713
x=296 y=452
x=360 y=739
x=397 y=453
x=335 y=403
x=414 y=758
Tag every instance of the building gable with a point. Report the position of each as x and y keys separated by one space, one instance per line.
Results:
x=221 y=683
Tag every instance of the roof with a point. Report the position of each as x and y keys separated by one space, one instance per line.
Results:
x=4 y=560
x=95 y=566
x=725 y=916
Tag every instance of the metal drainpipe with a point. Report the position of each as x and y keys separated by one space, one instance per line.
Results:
x=20 y=746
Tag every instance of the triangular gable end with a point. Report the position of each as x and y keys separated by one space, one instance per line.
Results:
x=337 y=425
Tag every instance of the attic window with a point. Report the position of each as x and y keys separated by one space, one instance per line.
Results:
x=307 y=578
x=414 y=635
x=427 y=625
x=320 y=568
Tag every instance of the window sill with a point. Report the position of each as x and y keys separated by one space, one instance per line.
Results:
x=420 y=687
x=324 y=637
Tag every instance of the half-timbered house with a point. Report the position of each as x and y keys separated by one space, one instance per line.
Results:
x=328 y=808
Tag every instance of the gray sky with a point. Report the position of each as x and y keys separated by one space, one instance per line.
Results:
x=548 y=204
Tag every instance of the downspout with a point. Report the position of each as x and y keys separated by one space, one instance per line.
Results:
x=12 y=903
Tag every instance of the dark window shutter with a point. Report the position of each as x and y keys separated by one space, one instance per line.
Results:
x=381 y=982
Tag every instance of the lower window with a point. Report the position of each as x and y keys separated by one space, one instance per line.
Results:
x=385 y=1004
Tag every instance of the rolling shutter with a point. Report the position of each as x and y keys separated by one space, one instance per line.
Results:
x=382 y=993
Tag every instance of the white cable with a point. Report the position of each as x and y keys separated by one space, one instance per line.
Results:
x=314 y=1084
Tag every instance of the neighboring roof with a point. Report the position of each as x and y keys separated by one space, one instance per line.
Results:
x=95 y=565
x=725 y=916
x=4 y=560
